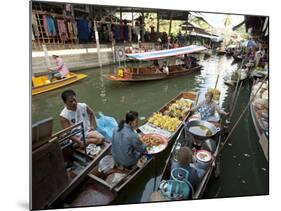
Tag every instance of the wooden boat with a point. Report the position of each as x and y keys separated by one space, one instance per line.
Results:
x=261 y=127
x=150 y=74
x=213 y=168
x=131 y=74
x=56 y=163
x=221 y=51
x=90 y=188
x=41 y=84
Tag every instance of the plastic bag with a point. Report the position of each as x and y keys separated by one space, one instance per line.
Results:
x=106 y=164
x=106 y=125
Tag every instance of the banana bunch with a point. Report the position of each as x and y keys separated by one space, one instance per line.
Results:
x=164 y=122
x=179 y=108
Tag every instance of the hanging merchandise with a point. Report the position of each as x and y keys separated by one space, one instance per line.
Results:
x=75 y=30
x=35 y=25
x=126 y=32
x=49 y=25
x=62 y=30
x=70 y=30
x=83 y=30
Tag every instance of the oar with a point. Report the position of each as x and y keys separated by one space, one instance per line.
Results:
x=217 y=81
x=235 y=101
x=242 y=114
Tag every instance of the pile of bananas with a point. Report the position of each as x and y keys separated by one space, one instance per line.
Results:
x=178 y=109
x=164 y=122
x=215 y=92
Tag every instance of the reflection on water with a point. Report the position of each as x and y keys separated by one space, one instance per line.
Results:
x=115 y=99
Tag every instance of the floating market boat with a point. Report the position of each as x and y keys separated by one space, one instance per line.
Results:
x=92 y=188
x=56 y=162
x=259 y=112
x=175 y=184
x=135 y=74
x=41 y=84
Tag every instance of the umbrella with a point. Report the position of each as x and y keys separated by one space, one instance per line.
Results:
x=249 y=43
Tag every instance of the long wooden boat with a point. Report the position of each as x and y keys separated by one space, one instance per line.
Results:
x=41 y=84
x=90 y=188
x=261 y=128
x=150 y=74
x=131 y=74
x=221 y=52
x=56 y=163
x=213 y=168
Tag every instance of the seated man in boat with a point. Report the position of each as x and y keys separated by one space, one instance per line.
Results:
x=184 y=157
x=60 y=70
x=156 y=66
x=127 y=147
x=165 y=68
x=187 y=61
x=74 y=113
x=208 y=107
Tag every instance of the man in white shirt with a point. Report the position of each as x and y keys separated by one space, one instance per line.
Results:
x=74 y=113
x=165 y=69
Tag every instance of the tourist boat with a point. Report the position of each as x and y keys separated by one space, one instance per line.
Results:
x=211 y=148
x=137 y=74
x=259 y=113
x=91 y=189
x=221 y=51
x=41 y=84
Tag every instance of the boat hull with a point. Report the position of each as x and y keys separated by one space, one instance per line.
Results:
x=153 y=76
x=81 y=193
x=263 y=140
x=45 y=87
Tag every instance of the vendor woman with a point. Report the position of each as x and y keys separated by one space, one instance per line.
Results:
x=127 y=147
x=208 y=107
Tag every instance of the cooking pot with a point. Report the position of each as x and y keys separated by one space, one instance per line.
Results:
x=202 y=129
x=202 y=159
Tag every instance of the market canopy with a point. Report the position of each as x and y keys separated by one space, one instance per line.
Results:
x=152 y=55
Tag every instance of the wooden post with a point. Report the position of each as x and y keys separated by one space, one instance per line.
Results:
x=157 y=22
x=97 y=42
x=120 y=15
x=46 y=55
x=186 y=23
x=132 y=17
x=170 y=25
x=142 y=27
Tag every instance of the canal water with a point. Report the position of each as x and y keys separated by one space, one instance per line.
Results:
x=244 y=170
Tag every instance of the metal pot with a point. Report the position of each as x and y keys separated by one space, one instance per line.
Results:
x=212 y=130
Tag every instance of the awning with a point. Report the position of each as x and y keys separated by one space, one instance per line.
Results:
x=203 y=35
x=265 y=24
x=237 y=26
x=166 y=53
